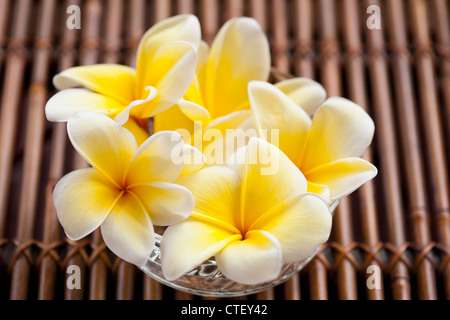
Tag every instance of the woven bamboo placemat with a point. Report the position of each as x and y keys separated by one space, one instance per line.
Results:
x=399 y=73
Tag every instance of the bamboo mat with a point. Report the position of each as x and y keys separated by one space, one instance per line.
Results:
x=399 y=73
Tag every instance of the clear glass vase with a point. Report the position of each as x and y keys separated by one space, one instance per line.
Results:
x=207 y=280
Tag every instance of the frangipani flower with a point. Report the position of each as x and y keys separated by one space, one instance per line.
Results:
x=327 y=148
x=166 y=60
x=233 y=131
x=127 y=190
x=217 y=99
x=239 y=53
x=252 y=222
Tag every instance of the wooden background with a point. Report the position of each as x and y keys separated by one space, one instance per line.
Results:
x=400 y=74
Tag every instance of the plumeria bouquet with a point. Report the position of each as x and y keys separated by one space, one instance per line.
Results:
x=238 y=169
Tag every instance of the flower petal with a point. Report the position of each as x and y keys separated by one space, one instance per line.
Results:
x=182 y=118
x=103 y=143
x=344 y=176
x=124 y=115
x=138 y=131
x=112 y=80
x=171 y=72
x=193 y=160
x=216 y=191
x=159 y=158
x=321 y=190
x=187 y=244
x=184 y=27
x=166 y=203
x=202 y=61
x=340 y=129
x=301 y=224
x=66 y=103
x=225 y=135
x=305 y=92
x=255 y=259
x=128 y=231
x=83 y=199
x=194 y=111
x=269 y=178
x=279 y=119
x=239 y=53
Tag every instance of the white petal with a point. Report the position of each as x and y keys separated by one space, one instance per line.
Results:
x=66 y=103
x=321 y=190
x=171 y=72
x=83 y=199
x=124 y=115
x=255 y=259
x=269 y=178
x=185 y=117
x=193 y=159
x=102 y=142
x=160 y=158
x=305 y=92
x=225 y=135
x=344 y=176
x=112 y=80
x=187 y=244
x=128 y=231
x=280 y=120
x=301 y=224
x=185 y=27
x=239 y=53
x=217 y=191
x=166 y=203
x=340 y=129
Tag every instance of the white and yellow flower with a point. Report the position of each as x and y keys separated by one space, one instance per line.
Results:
x=326 y=148
x=166 y=61
x=218 y=100
x=250 y=221
x=239 y=53
x=128 y=189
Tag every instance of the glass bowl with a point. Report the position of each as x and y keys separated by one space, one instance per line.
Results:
x=207 y=280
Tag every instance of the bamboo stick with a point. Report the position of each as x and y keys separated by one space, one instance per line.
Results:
x=441 y=208
x=185 y=6
x=258 y=10
x=303 y=30
x=4 y=9
x=386 y=146
x=441 y=16
x=437 y=168
x=233 y=8
x=34 y=129
x=67 y=60
x=12 y=92
x=209 y=19
x=355 y=68
x=49 y=268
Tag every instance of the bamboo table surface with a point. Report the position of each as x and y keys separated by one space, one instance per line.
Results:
x=398 y=223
